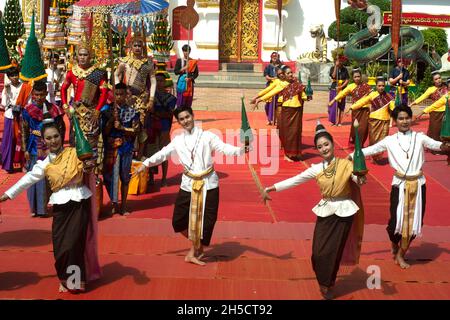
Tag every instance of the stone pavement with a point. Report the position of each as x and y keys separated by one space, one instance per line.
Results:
x=229 y=99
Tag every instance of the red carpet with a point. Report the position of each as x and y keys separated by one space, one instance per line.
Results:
x=250 y=257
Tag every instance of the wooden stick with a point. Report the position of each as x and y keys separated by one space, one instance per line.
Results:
x=260 y=188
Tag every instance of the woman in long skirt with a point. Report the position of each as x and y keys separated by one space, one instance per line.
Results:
x=338 y=215
x=71 y=208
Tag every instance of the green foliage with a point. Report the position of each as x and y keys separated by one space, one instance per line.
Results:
x=374 y=69
x=353 y=20
x=426 y=82
x=436 y=38
x=384 y=5
x=13 y=21
x=345 y=32
x=337 y=51
x=412 y=68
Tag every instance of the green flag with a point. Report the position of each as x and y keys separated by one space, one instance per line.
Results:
x=445 y=129
x=309 y=90
x=246 y=134
x=359 y=162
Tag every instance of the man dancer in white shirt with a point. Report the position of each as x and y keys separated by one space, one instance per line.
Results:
x=408 y=194
x=196 y=206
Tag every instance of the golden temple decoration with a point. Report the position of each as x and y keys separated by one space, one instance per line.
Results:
x=272 y=4
x=208 y=3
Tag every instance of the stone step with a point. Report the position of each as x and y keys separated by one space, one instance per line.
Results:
x=223 y=79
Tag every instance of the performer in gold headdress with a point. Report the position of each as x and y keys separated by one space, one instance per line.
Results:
x=90 y=94
x=136 y=71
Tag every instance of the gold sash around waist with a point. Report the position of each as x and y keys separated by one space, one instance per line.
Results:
x=196 y=215
x=411 y=187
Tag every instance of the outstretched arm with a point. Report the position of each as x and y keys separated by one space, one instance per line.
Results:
x=303 y=177
x=375 y=149
x=434 y=145
x=225 y=148
x=30 y=178
x=156 y=159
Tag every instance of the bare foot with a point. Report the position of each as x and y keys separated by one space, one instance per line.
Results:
x=394 y=248
x=401 y=262
x=62 y=288
x=326 y=293
x=194 y=260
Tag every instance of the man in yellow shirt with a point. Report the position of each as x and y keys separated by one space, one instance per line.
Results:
x=380 y=104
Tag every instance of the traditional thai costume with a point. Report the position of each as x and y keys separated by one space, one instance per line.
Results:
x=290 y=124
x=436 y=110
x=270 y=107
x=119 y=146
x=338 y=217
x=32 y=142
x=185 y=98
x=380 y=106
x=10 y=136
x=362 y=114
x=408 y=194
x=341 y=76
x=71 y=208
x=197 y=202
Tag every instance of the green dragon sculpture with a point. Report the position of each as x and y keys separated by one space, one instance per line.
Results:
x=412 y=49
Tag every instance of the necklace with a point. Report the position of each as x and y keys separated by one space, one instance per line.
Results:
x=409 y=147
x=327 y=172
x=81 y=73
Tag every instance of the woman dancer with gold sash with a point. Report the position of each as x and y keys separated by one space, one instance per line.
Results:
x=71 y=208
x=339 y=217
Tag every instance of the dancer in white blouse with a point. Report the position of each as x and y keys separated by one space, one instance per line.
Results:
x=406 y=156
x=71 y=210
x=196 y=207
x=335 y=212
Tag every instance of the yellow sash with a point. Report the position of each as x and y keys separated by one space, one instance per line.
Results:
x=196 y=215
x=409 y=205
x=65 y=168
x=334 y=181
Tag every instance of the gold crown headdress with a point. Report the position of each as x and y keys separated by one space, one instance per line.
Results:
x=84 y=43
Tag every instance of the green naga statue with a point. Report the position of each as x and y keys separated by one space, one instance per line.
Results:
x=413 y=39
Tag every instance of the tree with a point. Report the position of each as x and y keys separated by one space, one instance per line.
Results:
x=426 y=82
x=13 y=20
x=436 y=38
x=353 y=20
